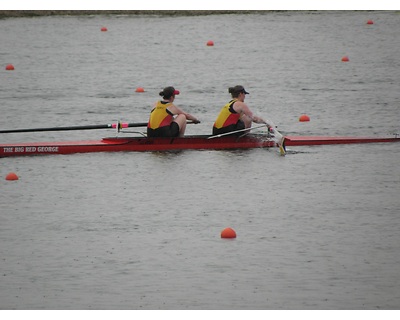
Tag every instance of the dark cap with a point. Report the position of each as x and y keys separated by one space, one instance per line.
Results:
x=169 y=92
x=237 y=90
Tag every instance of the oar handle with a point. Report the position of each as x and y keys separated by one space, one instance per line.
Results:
x=130 y=125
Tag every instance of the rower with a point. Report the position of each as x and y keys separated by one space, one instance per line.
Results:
x=166 y=119
x=235 y=115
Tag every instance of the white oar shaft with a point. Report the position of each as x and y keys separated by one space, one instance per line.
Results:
x=236 y=131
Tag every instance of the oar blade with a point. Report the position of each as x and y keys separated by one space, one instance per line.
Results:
x=282 y=148
x=278 y=138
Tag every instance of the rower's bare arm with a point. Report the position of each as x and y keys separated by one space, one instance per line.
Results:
x=191 y=117
x=243 y=108
x=174 y=109
x=258 y=119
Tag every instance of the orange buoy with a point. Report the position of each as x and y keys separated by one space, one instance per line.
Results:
x=9 y=67
x=11 y=176
x=304 y=118
x=345 y=59
x=210 y=43
x=370 y=22
x=228 y=233
x=103 y=29
x=140 y=89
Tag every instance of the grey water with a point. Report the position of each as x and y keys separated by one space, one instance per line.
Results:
x=316 y=229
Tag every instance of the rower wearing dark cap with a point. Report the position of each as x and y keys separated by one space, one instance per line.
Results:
x=166 y=119
x=235 y=115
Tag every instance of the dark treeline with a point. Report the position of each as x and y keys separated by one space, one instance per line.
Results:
x=36 y=13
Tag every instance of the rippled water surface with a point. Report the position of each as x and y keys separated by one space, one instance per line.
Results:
x=317 y=229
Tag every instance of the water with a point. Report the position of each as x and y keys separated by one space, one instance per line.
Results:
x=317 y=229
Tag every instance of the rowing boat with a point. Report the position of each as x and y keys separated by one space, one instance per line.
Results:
x=204 y=142
x=118 y=144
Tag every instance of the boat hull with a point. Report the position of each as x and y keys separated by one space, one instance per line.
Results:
x=129 y=144
x=326 y=140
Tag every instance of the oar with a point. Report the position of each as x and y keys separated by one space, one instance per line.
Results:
x=236 y=131
x=278 y=138
x=88 y=127
x=118 y=125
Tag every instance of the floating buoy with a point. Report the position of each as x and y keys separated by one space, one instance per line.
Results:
x=11 y=176
x=140 y=89
x=304 y=118
x=9 y=67
x=345 y=59
x=210 y=43
x=228 y=233
x=103 y=29
x=370 y=22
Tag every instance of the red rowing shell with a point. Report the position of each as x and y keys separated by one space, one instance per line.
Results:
x=127 y=144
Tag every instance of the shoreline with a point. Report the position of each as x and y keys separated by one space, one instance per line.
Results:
x=41 y=13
